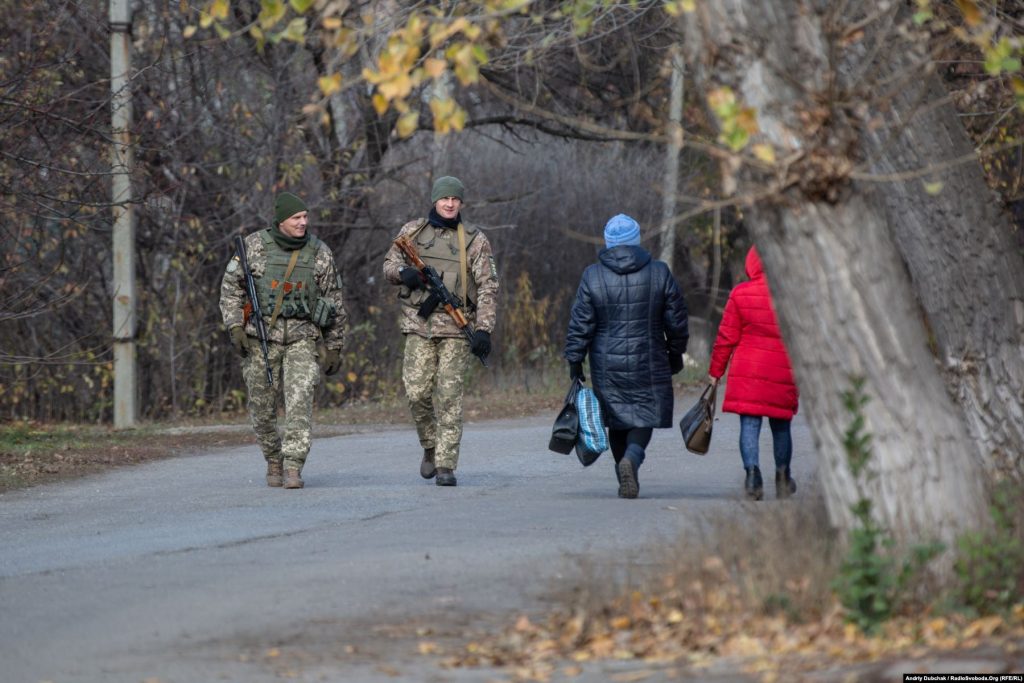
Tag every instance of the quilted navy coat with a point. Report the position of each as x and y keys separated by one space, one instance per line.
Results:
x=760 y=376
x=628 y=316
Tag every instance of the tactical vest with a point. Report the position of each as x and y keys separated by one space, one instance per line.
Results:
x=443 y=255
x=300 y=292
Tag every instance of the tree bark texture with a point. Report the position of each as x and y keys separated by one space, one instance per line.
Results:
x=958 y=246
x=843 y=296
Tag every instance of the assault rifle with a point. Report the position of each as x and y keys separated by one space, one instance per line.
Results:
x=254 y=302
x=435 y=285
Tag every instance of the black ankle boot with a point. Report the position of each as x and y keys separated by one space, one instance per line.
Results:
x=754 y=485
x=784 y=484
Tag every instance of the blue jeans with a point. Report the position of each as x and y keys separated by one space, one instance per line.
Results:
x=750 y=431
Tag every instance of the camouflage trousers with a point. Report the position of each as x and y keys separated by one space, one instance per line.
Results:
x=434 y=372
x=296 y=374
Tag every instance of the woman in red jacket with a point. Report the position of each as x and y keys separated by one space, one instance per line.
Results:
x=760 y=380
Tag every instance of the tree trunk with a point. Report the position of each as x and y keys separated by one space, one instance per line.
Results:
x=673 y=148
x=844 y=300
x=967 y=272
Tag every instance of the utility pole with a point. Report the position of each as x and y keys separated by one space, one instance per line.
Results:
x=125 y=386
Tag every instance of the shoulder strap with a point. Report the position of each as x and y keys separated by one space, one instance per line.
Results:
x=462 y=262
x=415 y=231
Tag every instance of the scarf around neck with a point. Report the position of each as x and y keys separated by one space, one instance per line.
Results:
x=434 y=218
x=288 y=243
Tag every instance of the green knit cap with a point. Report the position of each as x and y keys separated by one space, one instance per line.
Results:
x=287 y=205
x=446 y=186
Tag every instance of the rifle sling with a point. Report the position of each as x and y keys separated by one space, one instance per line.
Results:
x=280 y=299
x=462 y=263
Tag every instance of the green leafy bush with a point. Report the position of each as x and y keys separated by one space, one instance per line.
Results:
x=872 y=582
x=990 y=565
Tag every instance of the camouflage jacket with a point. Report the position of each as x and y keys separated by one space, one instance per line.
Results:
x=285 y=330
x=480 y=267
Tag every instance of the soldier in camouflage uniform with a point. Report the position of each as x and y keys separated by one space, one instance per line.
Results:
x=436 y=352
x=300 y=296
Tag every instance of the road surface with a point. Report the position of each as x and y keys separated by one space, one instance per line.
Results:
x=190 y=569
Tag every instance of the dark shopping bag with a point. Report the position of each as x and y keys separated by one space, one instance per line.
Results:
x=696 y=425
x=567 y=424
x=592 y=440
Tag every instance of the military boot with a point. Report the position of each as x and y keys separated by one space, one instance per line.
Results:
x=275 y=473
x=292 y=480
x=754 y=485
x=784 y=484
x=427 y=469
x=445 y=477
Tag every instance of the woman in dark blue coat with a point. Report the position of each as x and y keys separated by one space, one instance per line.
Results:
x=630 y=317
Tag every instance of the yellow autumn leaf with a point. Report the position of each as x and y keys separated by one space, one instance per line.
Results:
x=746 y=120
x=380 y=104
x=764 y=152
x=332 y=23
x=399 y=86
x=621 y=623
x=329 y=84
x=933 y=188
x=296 y=30
x=435 y=67
x=219 y=9
x=680 y=6
x=351 y=376
x=972 y=14
x=407 y=123
x=271 y=12
x=426 y=647
x=188 y=32
x=720 y=99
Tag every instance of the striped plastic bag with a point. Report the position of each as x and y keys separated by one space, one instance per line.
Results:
x=592 y=440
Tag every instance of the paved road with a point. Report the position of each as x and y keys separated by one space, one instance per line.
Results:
x=190 y=569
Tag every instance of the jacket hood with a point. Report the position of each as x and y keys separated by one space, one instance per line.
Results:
x=624 y=258
x=754 y=267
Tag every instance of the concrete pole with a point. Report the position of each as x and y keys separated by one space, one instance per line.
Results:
x=670 y=186
x=125 y=385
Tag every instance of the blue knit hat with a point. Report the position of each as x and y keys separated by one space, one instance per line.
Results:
x=621 y=229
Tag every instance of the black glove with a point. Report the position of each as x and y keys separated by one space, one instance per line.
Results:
x=481 y=346
x=675 y=361
x=576 y=372
x=411 y=278
x=240 y=340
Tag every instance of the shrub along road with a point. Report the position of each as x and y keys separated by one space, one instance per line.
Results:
x=191 y=569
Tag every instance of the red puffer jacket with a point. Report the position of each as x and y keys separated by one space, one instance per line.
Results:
x=760 y=377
